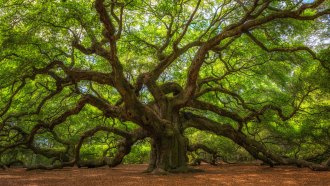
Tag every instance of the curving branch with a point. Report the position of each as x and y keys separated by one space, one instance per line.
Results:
x=158 y=115
x=105 y=18
x=255 y=148
x=4 y=110
x=186 y=26
x=205 y=148
x=124 y=146
x=234 y=30
x=215 y=109
x=91 y=132
x=289 y=49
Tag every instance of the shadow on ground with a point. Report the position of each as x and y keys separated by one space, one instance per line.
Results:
x=132 y=175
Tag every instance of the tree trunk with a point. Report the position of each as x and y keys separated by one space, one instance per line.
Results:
x=168 y=153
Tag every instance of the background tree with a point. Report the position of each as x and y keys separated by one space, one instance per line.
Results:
x=116 y=72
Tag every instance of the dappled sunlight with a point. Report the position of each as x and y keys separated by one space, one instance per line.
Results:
x=9 y=176
x=132 y=175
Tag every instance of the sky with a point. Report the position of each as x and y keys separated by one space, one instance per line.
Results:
x=308 y=1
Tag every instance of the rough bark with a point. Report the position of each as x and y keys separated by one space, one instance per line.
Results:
x=255 y=148
x=159 y=118
x=168 y=153
x=214 y=153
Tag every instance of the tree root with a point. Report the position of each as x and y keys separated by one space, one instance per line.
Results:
x=50 y=167
x=302 y=163
x=91 y=163
x=159 y=171
x=198 y=161
x=183 y=169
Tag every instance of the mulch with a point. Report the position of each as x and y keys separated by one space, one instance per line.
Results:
x=237 y=174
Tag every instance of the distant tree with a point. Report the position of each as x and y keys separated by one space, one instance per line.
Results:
x=121 y=71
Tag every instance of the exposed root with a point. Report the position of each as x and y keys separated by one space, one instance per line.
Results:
x=44 y=167
x=303 y=163
x=198 y=161
x=183 y=169
x=149 y=169
x=50 y=167
x=159 y=171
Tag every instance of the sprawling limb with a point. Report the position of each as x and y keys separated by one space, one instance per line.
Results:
x=124 y=146
x=28 y=138
x=205 y=148
x=159 y=116
x=234 y=30
x=256 y=149
x=253 y=113
x=289 y=49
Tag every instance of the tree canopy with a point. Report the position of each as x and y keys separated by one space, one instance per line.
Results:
x=82 y=82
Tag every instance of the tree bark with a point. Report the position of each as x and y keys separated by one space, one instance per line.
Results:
x=168 y=153
x=255 y=148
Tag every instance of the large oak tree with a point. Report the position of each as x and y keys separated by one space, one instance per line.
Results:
x=140 y=69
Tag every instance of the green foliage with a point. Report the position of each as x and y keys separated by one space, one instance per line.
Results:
x=33 y=34
x=139 y=153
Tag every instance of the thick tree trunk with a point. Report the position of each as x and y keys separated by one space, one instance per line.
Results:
x=168 y=154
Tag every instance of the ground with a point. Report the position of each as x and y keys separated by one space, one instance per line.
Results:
x=132 y=175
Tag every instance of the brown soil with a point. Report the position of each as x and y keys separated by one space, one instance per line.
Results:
x=132 y=175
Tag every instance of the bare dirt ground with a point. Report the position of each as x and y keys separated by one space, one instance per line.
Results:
x=132 y=175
